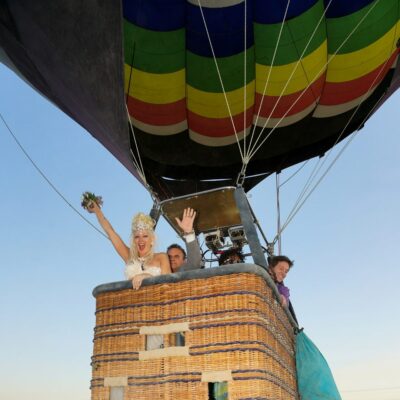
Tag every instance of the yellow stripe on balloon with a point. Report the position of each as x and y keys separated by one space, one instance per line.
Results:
x=155 y=88
x=213 y=105
x=350 y=66
x=304 y=73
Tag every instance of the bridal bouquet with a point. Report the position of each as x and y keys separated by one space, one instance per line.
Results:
x=88 y=197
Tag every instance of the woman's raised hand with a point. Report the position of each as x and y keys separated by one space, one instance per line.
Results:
x=92 y=207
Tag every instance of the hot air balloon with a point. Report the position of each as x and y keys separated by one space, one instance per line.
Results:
x=213 y=89
x=201 y=100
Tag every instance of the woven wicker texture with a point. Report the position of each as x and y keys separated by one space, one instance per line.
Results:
x=235 y=324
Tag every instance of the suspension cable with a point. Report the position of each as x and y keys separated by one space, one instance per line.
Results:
x=278 y=213
x=315 y=78
x=315 y=172
x=43 y=175
x=299 y=61
x=294 y=173
x=137 y=163
x=245 y=80
x=141 y=169
x=307 y=185
x=287 y=222
x=220 y=78
x=352 y=136
x=269 y=75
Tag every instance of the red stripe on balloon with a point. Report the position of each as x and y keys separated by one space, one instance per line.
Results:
x=157 y=114
x=218 y=127
x=290 y=104
x=336 y=93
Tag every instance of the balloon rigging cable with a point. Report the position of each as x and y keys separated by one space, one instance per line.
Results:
x=46 y=178
x=315 y=171
x=269 y=75
x=254 y=151
x=222 y=83
x=294 y=173
x=352 y=136
x=254 y=147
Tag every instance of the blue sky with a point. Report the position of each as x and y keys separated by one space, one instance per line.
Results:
x=344 y=241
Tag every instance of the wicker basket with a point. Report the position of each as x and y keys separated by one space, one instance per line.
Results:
x=226 y=328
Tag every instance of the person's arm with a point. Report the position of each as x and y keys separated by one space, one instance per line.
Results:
x=284 y=293
x=121 y=248
x=163 y=259
x=193 y=260
x=138 y=279
x=164 y=263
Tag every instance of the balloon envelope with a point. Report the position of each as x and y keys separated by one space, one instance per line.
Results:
x=208 y=82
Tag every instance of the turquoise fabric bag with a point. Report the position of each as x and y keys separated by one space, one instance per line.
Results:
x=314 y=378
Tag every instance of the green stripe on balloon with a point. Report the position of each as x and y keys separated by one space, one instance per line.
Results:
x=295 y=37
x=381 y=18
x=201 y=72
x=152 y=51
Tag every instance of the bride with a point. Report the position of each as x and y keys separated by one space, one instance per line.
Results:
x=140 y=260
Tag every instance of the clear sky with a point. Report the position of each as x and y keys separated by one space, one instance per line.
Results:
x=344 y=284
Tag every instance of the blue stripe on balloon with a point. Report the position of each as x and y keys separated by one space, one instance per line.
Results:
x=167 y=15
x=156 y=15
x=225 y=26
x=273 y=11
x=340 y=8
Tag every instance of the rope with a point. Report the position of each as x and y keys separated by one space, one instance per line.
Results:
x=352 y=136
x=278 y=211
x=316 y=77
x=136 y=163
x=220 y=78
x=299 y=61
x=295 y=173
x=269 y=74
x=47 y=179
x=315 y=172
x=245 y=79
x=306 y=186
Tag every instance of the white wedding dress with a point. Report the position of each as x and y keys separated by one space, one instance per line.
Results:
x=135 y=267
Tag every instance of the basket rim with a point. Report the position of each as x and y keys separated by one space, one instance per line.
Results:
x=176 y=277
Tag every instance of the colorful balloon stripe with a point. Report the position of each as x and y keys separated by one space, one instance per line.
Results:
x=297 y=37
x=202 y=74
x=157 y=15
x=272 y=12
x=301 y=74
x=380 y=17
x=214 y=105
x=347 y=67
x=155 y=88
x=225 y=26
x=340 y=8
x=270 y=122
x=154 y=52
x=342 y=92
x=157 y=114
x=215 y=3
x=174 y=81
x=160 y=130
x=277 y=107
x=216 y=141
x=219 y=127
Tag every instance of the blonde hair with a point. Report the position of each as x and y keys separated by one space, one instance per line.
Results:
x=142 y=223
